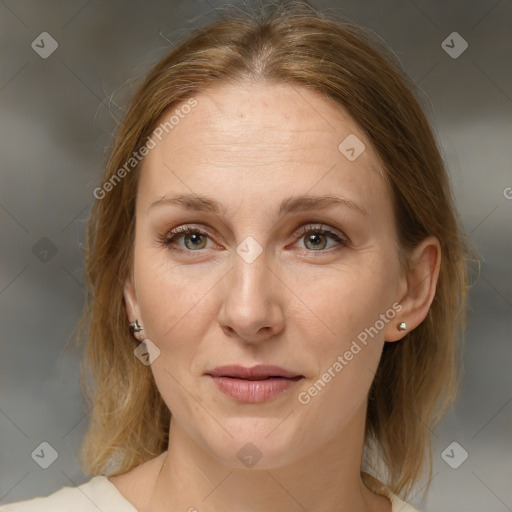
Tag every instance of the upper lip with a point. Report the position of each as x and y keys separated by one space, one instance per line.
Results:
x=257 y=372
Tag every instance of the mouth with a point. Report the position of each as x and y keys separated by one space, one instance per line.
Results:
x=253 y=385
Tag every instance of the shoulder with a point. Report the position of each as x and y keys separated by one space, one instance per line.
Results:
x=96 y=494
x=397 y=505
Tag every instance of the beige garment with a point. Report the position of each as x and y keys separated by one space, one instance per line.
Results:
x=100 y=493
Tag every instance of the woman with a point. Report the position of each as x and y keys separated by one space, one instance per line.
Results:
x=277 y=280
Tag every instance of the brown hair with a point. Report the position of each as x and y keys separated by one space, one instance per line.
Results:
x=292 y=43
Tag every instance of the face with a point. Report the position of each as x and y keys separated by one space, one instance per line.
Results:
x=265 y=279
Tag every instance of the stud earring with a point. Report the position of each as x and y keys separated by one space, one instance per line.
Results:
x=136 y=330
x=402 y=326
x=135 y=327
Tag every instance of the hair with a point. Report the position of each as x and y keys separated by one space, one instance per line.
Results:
x=417 y=378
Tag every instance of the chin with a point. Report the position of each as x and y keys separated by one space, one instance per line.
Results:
x=251 y=446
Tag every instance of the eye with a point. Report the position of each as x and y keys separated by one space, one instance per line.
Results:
x=316 y=237
x=194 y=238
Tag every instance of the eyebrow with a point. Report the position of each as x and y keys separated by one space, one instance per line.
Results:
x=291 y=205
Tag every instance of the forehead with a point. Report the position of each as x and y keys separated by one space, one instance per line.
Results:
x=265 y=139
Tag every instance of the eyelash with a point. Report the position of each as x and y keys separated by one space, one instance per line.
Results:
x=178 y=232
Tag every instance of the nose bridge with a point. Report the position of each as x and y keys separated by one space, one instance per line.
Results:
x=249 y=302
x=250 y=278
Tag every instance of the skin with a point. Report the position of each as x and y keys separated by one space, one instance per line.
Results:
x=297 y=305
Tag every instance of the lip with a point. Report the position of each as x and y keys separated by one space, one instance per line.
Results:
x=258 y=372
x=253 y=385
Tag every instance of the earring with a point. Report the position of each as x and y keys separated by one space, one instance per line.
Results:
x=402 y=326
x=136 y=329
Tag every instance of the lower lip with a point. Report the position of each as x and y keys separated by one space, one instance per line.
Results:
x=254 y=391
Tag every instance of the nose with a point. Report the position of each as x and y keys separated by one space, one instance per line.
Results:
x=252 y=308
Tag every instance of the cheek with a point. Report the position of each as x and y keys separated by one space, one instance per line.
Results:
x=346 y=301
x=171 y=300
x=169 y=295
x=347 y=356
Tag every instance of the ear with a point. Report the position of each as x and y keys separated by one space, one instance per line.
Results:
x=420 y=288
x=130 y=300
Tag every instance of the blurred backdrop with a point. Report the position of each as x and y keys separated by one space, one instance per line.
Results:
x=67 y=69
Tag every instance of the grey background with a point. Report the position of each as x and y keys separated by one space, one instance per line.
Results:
x=57 y=119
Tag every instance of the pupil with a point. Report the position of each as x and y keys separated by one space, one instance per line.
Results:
x=195 y=238
x=315 y=239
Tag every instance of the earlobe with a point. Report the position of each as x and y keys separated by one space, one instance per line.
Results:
x=422 y=276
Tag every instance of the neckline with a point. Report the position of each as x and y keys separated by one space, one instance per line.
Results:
x=109 y=493
x=113 y=493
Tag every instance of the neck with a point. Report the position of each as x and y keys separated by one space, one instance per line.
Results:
x=327 y=480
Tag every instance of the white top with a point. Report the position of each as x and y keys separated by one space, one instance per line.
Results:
x=100 y=493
